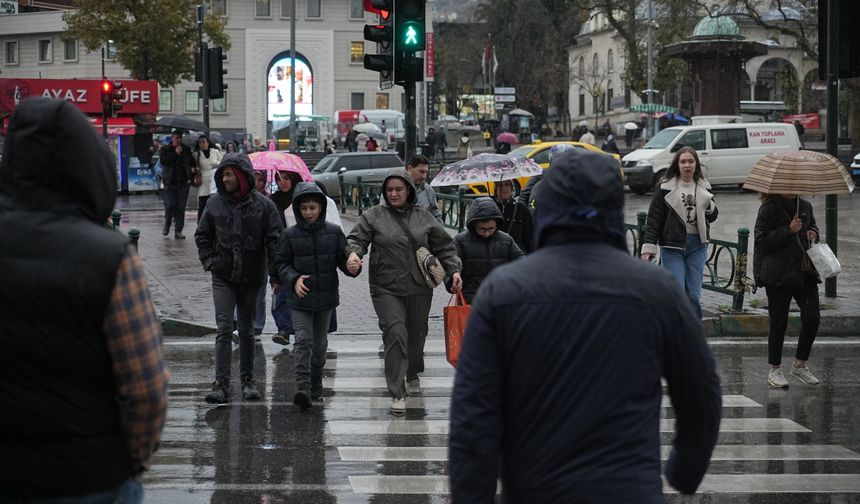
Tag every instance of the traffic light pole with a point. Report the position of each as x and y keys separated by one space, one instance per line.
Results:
x=831 y=201
x=204 y=64
x=411 y=129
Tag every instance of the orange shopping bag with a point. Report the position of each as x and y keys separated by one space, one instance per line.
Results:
x=456 y=315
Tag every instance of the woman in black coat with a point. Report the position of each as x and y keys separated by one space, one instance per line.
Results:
x=517 y=216
x=784 y=230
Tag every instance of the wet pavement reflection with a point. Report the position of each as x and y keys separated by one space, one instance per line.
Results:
x=796 y=446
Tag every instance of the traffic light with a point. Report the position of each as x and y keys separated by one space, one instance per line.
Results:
x=116 y=98
x=848 y=39
x=409 y=22
x=382 y=33
x=107 y=98
x=216 y=72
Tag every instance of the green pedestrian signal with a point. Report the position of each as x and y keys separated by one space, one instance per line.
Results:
x=410 y=37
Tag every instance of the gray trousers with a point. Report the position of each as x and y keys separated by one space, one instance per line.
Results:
x=175 y=201
x=309 y=351
x=228 y=297
x=403 y=321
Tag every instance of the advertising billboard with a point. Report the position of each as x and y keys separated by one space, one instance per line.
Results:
x=279 y=93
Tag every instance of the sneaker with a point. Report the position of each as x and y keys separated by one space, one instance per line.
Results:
x=179 y=236
x=398 y=406
x=776 y=379
x=165 y=230
x=281 y=339
x=804 y=375
x=413 y=386
x=220 y=393
x=249 y=389
x=302 y=400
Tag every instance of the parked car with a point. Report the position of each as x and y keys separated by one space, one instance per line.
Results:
x=727 y=152
x=855 y=168
x=370 y=166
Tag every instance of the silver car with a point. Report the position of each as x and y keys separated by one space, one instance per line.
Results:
x=370 y=166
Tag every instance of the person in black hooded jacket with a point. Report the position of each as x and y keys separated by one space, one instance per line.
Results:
x=483 y=246
x=309 y=255
x=784 y=229
x=517 y=216
x=239 y=228
x=571 y=412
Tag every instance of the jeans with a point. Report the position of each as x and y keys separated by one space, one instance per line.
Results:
x=403 y=321
x=283 y=314
x=201 y=205
x=130 y=492
x=260 y=312
x=688 y=266
x=778 y=303
x=228 y=297
x=311 y=345
x=175 y=201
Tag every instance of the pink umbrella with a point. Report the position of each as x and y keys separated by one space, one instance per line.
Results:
x=507 y=137
x=275 y=161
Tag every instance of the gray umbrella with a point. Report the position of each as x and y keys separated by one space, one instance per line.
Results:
x=180 y=122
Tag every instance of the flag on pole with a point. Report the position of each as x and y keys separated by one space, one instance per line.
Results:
x=489 y=63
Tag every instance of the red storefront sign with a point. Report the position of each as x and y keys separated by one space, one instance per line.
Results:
x=807 y=120
x=116 y=125
x=139 y=97
x=430 y=55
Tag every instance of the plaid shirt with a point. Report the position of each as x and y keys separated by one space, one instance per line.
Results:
x=133 y=336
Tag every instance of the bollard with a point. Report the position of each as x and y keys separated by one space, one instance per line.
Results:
x=641 y=217
x=134 y=236
x=116 y=217
x=342 y=193
x=741 y=274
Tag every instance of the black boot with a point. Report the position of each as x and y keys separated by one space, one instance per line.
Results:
x=220 y=393
x=316 y=386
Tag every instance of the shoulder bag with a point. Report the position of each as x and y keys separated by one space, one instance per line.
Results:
x=429 y=266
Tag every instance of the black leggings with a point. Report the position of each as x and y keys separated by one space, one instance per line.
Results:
x=778 y=302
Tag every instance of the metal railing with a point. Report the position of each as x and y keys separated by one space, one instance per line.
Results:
x=114 y=225
x=454 y=208
x=735 y=283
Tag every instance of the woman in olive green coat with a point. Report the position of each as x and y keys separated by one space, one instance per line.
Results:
x=400 y=295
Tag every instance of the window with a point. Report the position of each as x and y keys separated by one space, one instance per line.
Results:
x=219 y=105
x=46 y=51
x=595 y=64
x=385 y=161
x=287 y=8
x=165 y=100
x=581 y=103
x=314 y=10
x=264 y=8
x=581 y=71
x=694 y=139
x=356 y=101
x=729 y=138
x=382 y=100
x=192 y=101
x=356 y=52
x=218 y=7
x=110 y=50
x=609 y=94
x=610 y=62
x=542 y=156
x=70 y=50
x=354 y=163
x=356 y=9
x=11 y=53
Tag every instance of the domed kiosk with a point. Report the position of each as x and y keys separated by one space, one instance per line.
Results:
x=716 y=54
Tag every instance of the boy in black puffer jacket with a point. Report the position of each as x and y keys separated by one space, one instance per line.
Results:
x=308 y=256
x=483 y=246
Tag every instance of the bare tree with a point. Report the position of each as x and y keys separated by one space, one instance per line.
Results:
x=593 y=80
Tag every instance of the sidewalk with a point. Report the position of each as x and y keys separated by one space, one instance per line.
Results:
x=183 y=296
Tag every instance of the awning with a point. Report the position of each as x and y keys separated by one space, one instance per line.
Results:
x=116 y=125
x=652 y=107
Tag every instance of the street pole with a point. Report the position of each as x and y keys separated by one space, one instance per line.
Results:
x=293 y=76
x=831 y=201
x=651 y=126
x=411 y=130
x=204 y=64
x=104 y=116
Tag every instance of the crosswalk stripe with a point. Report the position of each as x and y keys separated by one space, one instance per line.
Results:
x=367 y=383
x=721 y=453
x=379 y=364
x=440 y=427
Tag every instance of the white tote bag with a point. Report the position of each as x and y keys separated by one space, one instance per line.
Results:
x=825 y=260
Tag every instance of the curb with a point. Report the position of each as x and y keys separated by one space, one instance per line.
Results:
x=177 y=327
x=758 y=326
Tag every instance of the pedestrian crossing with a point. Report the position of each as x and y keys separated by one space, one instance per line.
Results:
x=408 y=456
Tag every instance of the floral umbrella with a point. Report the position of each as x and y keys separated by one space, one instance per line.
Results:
x=486 y=168
x=275 y=161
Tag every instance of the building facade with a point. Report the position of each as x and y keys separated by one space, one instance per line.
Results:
x=329 y=44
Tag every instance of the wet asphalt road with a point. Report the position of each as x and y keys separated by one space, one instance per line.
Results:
x=796 y=446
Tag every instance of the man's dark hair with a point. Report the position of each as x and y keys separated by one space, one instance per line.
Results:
x=417 y=159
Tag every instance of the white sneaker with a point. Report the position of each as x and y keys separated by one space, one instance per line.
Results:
x=776 y=379
x=398 y=406
x=413 y=387
x=804 y=375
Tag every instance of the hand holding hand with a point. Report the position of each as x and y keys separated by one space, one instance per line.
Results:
x=796 y=224
x=457 y=282
x=301 y=290
x=353 y=263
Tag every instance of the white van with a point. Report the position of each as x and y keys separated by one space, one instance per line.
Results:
x=394 y=123
x=727 y=151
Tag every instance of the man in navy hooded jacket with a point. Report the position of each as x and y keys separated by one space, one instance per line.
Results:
x=558 y=384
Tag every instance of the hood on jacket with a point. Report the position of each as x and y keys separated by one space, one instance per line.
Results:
x=581 y=196
x=239 y=160
x=402 y=174
x=304 y=191
x=55 y=161
x=484 y=209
